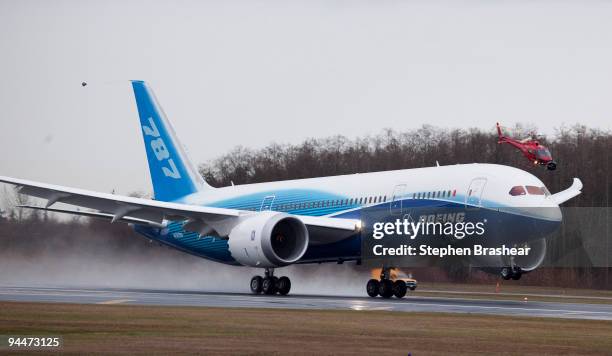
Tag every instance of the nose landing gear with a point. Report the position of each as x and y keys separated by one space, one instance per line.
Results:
x=270 y=284
x=514 y=273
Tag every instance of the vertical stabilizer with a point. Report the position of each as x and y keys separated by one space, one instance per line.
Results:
x=172 y=174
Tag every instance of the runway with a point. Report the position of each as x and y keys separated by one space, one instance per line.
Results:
x=237 y=300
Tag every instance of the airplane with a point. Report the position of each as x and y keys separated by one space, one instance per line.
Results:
x=316 y=220
x=531 y=149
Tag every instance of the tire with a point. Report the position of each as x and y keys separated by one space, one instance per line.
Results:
x=412 y=288
x=506 y=273
x=399 y=288
x=268 y=286
x=386 y=289
x=283 y=285
x=372 y=287
x=256 y=284
x=551 y=166
x=516 y=276
x=275 y=283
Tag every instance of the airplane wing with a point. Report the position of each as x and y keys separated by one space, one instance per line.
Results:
x=153 y=212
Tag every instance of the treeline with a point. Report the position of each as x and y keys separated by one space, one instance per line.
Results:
x=579 y=151
x=32 y=234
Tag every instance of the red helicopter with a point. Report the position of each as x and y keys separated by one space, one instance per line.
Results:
x=531 y=149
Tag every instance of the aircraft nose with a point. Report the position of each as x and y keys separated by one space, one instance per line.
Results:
x=550 y=213
x=548 y=209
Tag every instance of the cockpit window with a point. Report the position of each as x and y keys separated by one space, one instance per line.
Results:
x=517 y=190
x=533 y=190
x=543 y=153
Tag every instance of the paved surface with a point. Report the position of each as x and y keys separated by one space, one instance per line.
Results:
x=206 y=299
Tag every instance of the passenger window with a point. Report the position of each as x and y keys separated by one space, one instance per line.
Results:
x=517 y=190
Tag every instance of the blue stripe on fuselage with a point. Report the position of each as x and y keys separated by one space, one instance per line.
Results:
x=217 y=249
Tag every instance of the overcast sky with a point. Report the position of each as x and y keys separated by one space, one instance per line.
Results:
x=254 y=72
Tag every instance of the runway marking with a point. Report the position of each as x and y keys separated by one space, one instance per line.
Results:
x=116 y=301
x=365 y=307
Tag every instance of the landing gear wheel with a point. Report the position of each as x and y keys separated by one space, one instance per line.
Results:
x=399 y=288
x=506 y=273
x=275 y=284
x=517 y=273
x=256 y=284
x=268 y=286
x=386 y=288
x=372 y=287
x=551 y=166
x=283 y=285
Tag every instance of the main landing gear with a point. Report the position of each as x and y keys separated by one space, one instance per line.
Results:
x=385 y=287
x=514 y=272
x=270 y=284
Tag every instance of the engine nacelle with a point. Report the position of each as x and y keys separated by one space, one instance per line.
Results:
x=268 y=239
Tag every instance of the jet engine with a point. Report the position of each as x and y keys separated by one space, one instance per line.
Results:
x=268 y=239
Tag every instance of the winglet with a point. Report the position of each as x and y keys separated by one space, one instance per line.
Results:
x=567 y=194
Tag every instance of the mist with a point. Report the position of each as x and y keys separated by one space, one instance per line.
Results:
x=46 y=252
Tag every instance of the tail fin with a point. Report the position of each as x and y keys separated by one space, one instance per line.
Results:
x=499 y=133
x=172 y=174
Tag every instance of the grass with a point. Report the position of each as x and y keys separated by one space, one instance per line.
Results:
x=162 y=330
